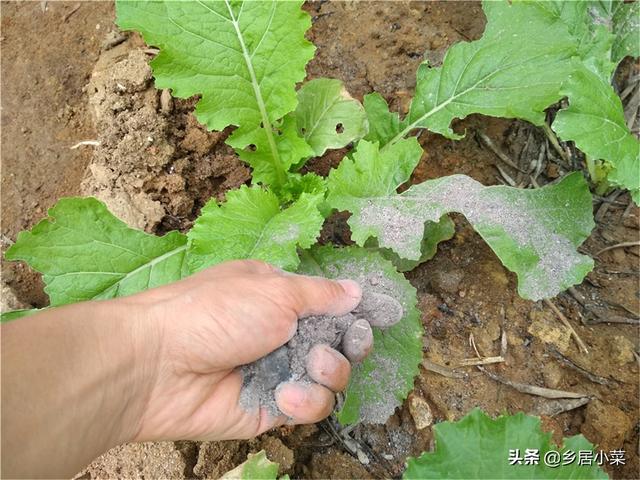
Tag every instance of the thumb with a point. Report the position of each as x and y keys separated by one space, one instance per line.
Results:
x=321 y=296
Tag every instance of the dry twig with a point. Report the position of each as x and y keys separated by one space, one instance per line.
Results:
x=618 y=245
x=591 y=376
x=441 y=369
x=566 y=323
x=532 y=389
x=499 y=153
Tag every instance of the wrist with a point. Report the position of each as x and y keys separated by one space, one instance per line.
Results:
x=135 y=342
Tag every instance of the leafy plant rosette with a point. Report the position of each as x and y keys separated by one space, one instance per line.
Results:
x=244 y=59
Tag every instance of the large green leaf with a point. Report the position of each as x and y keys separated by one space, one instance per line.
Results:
x=251 y=224
x=244 y=59
x=84 y=253
x=327 y=116
x=478 y=447
x=515 y=70
x=380 y=383
x=595 y=121
x=534 y=232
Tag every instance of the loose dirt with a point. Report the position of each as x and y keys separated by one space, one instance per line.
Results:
x=48 y=59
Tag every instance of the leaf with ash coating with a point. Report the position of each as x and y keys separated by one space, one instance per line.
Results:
x=374 y=172
x=85 y=253
x=595 y=121
x=535 y=233
x=515 y=70
x=479 y=447
x=434 y=233
x=380 y=383
x=251 y=224
x=244 y=58
x=327 y=116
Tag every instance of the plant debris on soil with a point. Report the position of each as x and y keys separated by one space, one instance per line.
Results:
x=155 y=166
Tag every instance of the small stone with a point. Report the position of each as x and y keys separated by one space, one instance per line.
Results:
x=552 y=374
x=166 y=102
x=606 y=425
x=621 y=349
x=420 y=411
x=447 y=281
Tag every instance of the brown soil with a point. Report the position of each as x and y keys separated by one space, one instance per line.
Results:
x=48 y=58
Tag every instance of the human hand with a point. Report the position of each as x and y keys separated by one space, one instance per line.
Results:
x=205 y=326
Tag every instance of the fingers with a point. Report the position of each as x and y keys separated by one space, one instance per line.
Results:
x=379 y=309
x=320 y=296
x=357 y=341
x=328 y=367
x=305 y=403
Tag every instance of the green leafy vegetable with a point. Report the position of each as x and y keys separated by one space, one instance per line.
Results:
x=595 y=121
x=256 y=467
x=251 y=224
x=383 y=380
x=84 y=253
x=587 y=23
x=515 y=70
x=534 y=232
x=327 y=116
x=478 y=447
x=372 y=172
x=243 y=57
x=383 y=124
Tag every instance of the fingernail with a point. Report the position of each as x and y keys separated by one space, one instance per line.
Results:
x=351 y=288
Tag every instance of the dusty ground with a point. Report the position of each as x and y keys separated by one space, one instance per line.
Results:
x=47 y=60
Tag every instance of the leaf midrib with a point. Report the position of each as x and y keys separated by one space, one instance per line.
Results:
x=127 y=275
x=266 y=123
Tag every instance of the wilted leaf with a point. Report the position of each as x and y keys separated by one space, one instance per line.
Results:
x=383 y=380
x=478 y=447
x=251 y=224
x=84 y=253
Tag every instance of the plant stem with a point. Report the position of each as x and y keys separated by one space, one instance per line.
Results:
x=554 y=141
x=281 y=174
